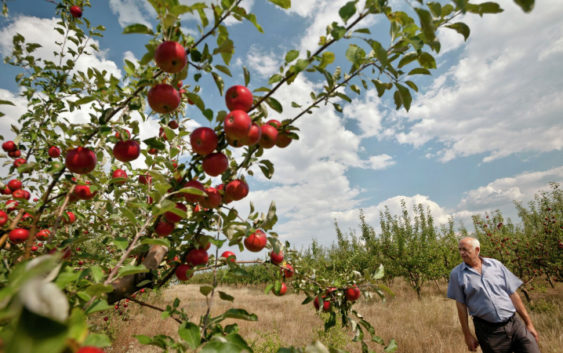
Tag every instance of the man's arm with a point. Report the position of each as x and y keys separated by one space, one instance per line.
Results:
x=470 y=340
x=521 y=309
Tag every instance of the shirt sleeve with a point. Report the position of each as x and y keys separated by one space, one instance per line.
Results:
x=512 y=282
x=454 y=288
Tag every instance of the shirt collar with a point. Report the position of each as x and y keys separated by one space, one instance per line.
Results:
x=484 y=261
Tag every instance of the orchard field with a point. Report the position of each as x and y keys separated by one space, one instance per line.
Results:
x=111 y=242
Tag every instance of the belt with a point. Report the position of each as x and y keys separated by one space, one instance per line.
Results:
x=493 y=324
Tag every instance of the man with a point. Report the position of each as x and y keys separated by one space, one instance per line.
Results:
x=488 y=290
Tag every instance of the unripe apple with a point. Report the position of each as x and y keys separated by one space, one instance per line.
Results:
x=163 y=98
x=229 y=256
x=191 y=197
x=215 y=164
x=353 y=293
x=253 y=136
x=197 y=257
x=54 y=152
x=15 y=184
x=9 y=146
x=269 y=136
x=170 y=57
x=174 y=218
x=237 y=124
x=3 y=218
x=238 y=98
x=256 y=241
x=119 y=173
x=164 y=228
x=76 y=11
x=126 y=151
x=203 y=140
x=213 y=198
x=236 y=190
x=80 y=160
x=18 y=235
x=282 y=291
x=276 y=258
x=183 y=272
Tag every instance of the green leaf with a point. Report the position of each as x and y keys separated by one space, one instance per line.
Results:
x=267 y=168
x=190 y=333
x=3 y=102
x=132 y=270
x=426 y=24
x=98 y=305
x=205 y=290
x=427 y=61
x=355 y=54
x=97 y=340
x=35 y=334
x=526 y=5
x=159 y=241
x=291 y=55
x=275 y=78
x=226 y=297
x=97 y=273
x=347 y=11
x=121 y=243
x=98 y=289
x=419 y=71
x=143 y=339
x=326 y=59
x=274 y=104
x=218 y=82
x=240 y=314
x=284 y=4
x=460 y=28
x=246 y=75
x=137 y=28
x=391 y=347
x=379 y=273
x=407 y=59
x=404 y=96
x=84 y=100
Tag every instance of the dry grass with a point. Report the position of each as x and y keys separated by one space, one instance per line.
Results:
x=427 y=325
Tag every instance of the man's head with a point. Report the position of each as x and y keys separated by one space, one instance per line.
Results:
x=469 y=249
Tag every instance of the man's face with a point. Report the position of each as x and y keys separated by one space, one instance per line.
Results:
x=468 y=253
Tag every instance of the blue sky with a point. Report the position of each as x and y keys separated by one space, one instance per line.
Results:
x=485 y=130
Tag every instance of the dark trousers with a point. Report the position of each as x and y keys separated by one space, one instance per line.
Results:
x=508 y=337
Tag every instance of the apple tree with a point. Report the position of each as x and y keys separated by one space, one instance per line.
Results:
x=84 y=225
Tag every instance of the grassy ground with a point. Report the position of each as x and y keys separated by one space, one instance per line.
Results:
x=427 y=325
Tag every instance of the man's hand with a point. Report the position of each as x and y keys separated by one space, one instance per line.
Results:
x=533 y=331
x=521 y=309
x=471 y=342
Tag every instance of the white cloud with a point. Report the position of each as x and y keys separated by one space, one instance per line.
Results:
x=503 y=97
x=382 y=161
x=366 y=111
x=265 y=64
x=132 y=11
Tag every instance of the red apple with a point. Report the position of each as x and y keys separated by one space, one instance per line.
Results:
x=145 y=179
x=254 y=135
x=283 y=139
x=229 y=256
x=83 y=192
x=269 y=136
x=6 y=190
x=163 y=98
x=213 y=198
x=80 y=160
x=288 y=271
x=54 y=152
x=90 y=349
x=236 y=190
x=15 y=184
x=256 y=241
x=11 y=205
x=173 y=124
x=282 y=291
x=3 y=218
x=174 y=218
x=170 y=57
x=275 y=123
x=326 y=304
x=18 y=194
x=215 y=164
x=276 y=258
x=19 y=162
x=203 y=140
x=9 y=146
x=164 y=228
x=76 y=11
x=43 y=234
x=26 y=195
x=353 y=293
x=18 y=235
x=126 y=151
x=126 y=135
x=238 y=98
x=152 y=151
x=70 y=218
x=183 y=272
x=237 y=124
x=197 y=257
x=119 y=173
x=191 y=197
x=15 y=154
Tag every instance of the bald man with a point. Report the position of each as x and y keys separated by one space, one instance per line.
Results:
x=487 y=289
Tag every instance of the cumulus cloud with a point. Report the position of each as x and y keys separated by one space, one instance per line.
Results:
x=264 y=63
x=503 y=97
